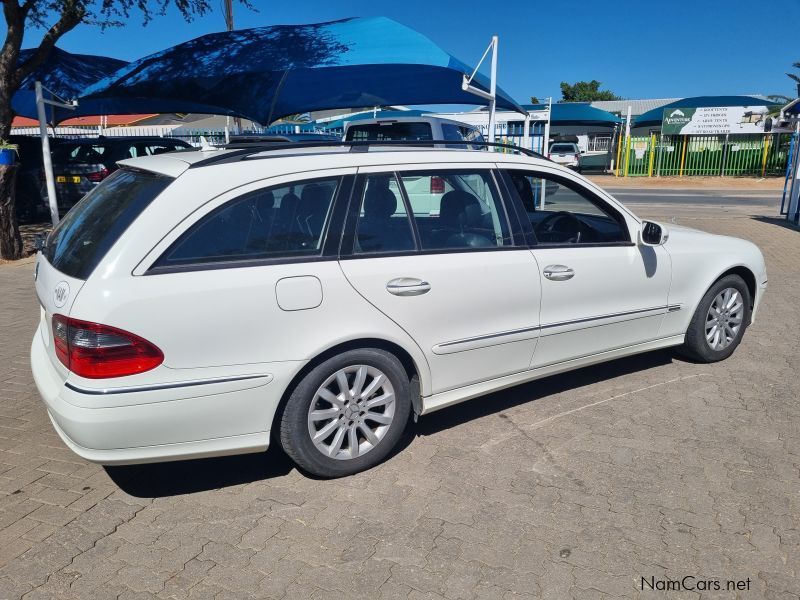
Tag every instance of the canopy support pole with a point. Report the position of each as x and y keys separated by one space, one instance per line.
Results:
x=47 y=160
x=491 y=95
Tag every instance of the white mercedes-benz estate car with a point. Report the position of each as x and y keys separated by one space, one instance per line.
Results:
x=204 y=303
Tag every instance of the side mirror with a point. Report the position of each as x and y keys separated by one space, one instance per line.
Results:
x=652 y=234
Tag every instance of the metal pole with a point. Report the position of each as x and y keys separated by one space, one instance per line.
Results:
x=493 y=89
x=790 y=160
x=792 y=196
x=546 y=149
x=47 y=160
x=546 y=140
x=526 y=132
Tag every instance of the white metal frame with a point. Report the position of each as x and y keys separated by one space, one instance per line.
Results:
x=47 y=160
x=491 y=95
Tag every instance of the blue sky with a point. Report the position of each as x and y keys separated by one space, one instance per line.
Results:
x=637 y=49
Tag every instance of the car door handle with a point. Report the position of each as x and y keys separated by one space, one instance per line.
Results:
x=408 y=286
x=558 y=273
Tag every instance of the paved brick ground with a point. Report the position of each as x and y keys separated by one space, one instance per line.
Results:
x=575 y=486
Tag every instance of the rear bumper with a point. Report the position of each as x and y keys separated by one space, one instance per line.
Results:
x=145 y=427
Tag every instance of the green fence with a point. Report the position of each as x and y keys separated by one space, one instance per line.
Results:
x=654 y=155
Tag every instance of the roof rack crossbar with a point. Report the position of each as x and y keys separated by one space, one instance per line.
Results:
x=242 y=151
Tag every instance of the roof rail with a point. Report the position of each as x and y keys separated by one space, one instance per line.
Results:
x=243 y=151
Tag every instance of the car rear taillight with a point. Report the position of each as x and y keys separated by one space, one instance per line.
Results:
x=97 y=176
x=98 y=351
x=577 y=157
x=437 y=185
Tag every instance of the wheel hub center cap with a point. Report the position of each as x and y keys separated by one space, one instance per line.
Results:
x=350 y=412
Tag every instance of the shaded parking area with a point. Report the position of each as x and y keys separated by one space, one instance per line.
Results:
x=591 y=484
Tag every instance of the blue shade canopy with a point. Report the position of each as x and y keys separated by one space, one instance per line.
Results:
x=270 y=72
x=65 y=74
x=654 y=117
x=568 y=113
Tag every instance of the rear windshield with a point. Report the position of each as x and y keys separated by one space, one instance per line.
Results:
x=390 y=131
x=564 y=148
x=80 y=153
x=80 y=241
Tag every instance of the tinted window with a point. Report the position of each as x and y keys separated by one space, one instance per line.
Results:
x=383 y=224
x=564 y=149
x=456 y=209
x=278 y=222
x=82 y=238
x=563 y=212
x=390 y=131
x=81 y=153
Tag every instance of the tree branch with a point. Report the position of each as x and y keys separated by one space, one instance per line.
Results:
x=73 y=13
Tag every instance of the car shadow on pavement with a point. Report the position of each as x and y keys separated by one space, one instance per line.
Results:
x=190 y=476
x=503 y=400
x=202 y=474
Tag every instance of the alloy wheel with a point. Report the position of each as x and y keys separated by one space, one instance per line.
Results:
x=351 y=412
x=724 y=319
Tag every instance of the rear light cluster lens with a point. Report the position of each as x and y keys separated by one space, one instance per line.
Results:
x=97 y=176
x=98 y=351
x=437 y=185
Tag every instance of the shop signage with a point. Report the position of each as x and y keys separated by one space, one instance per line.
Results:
x=714 y=120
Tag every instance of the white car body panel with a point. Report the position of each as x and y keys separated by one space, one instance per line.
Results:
x=235 y=339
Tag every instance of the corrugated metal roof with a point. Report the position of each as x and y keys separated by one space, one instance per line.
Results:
x=638 y=107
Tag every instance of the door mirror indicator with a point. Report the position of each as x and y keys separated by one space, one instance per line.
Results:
x=652 y=234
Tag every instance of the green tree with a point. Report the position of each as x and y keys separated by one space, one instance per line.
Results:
x=56 y=17
x=585 y=91
x=535 y=100
x=794 y=77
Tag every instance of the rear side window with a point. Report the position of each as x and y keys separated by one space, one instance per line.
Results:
x=91 y=227
x=279 y=222
x=563 y=149
x=398 y=130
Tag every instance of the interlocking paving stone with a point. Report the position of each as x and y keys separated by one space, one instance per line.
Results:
x=576 y=486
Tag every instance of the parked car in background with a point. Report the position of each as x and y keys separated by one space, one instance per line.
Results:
x=566 y=154
x=31 y=199
x=79 y=165
x=205 y=303
x=425 y=191
x=418 y=128
x=257 y=138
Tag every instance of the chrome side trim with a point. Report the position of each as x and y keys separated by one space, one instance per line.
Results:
x=491 y=336
x=487 y=336
x=162 y=386
x=607 y=316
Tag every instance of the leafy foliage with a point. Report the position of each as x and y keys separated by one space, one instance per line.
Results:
x=585 y=91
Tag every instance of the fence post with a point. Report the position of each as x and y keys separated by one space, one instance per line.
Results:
x=724 y=162
x=764 y=155
x=627 y=154
x=660 y=153
x=620 y=140
x=683 y=155
x=652 y=154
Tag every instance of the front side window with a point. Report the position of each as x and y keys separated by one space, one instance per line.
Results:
x=562 y=212
x=456 y=209
x=383 y=224
x=280 y=222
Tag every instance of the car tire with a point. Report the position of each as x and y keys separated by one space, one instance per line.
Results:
x=322 y=423
x=724 y=309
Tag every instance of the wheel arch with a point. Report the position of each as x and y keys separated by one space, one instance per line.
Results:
x=746 y=274
x=409 y=364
